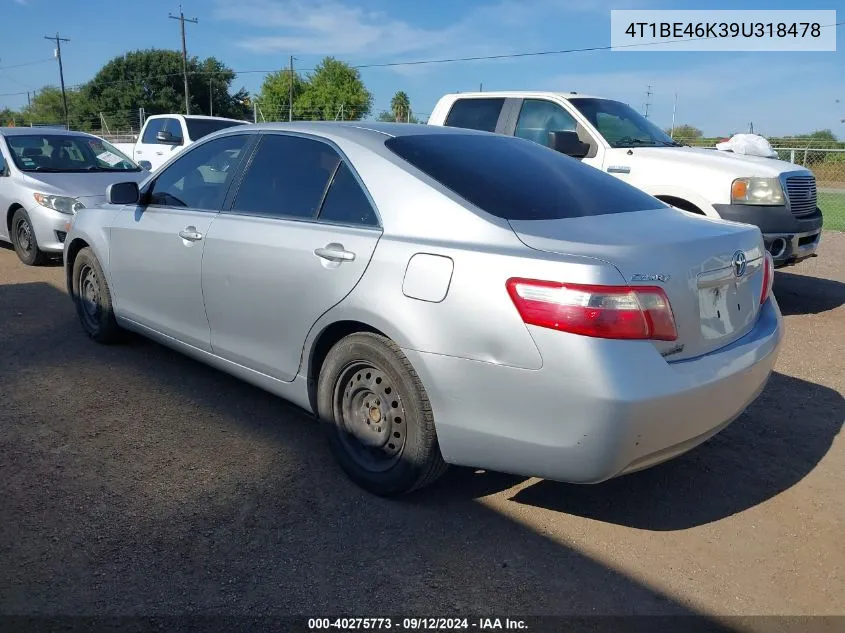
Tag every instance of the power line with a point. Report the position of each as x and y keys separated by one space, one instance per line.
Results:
x=40 y=61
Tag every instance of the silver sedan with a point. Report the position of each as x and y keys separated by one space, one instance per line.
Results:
x=438 y=296
x=45 y=176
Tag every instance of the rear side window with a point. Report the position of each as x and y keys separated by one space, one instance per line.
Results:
x=197 y=128
x=346 y=202
x=515 y=179
x=475 y=114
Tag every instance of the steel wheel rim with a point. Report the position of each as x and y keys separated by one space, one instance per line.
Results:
x=371 y=415
x=23 y=234
x=89 y=297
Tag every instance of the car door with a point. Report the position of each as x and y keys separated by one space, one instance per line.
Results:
x=156 y=248
x=151 y=150
x=5 y=190
x=297 y=238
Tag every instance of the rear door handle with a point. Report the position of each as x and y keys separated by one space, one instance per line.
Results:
x=191 y=234
x=334 y=253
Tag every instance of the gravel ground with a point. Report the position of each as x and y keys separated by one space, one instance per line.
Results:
x=136 y=481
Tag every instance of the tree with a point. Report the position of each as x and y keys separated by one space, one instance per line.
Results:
x=46 y=108
x=686 y=131
x=10 y=118
x=152 y=79
x=335 y=91
x=274 y=98
x=389 y=117
x=400 y=106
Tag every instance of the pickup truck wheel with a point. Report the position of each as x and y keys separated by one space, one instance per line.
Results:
x=93 y=299
x=377 y=416
x=24 y=240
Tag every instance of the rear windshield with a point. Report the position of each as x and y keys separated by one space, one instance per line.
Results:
x=197 y=128
x=516 y=179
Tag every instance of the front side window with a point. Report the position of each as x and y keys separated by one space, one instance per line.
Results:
x=475 y=114
x=162 y=125
x=515 y=179
x=286 y=178
x=621 y=125
x=65 y=153
x=200 y=178
x=2 y=163
x=538 y=117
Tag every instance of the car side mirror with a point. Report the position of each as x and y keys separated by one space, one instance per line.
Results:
x=122 y=193
x=568 y=143
x=167 y=138
x=145 y=165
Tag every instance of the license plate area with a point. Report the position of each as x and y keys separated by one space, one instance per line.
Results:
x=727 y=305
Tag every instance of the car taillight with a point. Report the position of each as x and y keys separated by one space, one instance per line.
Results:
x=768 y=277
x=619 y=312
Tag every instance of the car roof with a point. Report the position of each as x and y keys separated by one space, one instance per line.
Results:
x=522 y=94
x=26 y=131
x=355 y=129
x=195 y=116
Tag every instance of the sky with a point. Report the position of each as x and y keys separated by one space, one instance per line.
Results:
x=720 y=93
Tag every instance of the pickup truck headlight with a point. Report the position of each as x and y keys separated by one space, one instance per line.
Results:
x=757 y=191
x=62 y=204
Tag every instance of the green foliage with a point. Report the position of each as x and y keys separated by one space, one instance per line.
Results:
x=685 y=131
x=274 y=97
x=334 y=91
x=46 y=108
x=400 y=106
x=388 y=117
x=153 y=79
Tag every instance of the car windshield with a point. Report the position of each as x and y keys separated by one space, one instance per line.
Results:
x=197 y=128
x=621 y=125
x=65 y=153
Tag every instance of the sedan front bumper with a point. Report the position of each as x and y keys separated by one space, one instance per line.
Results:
x=597 y=408
x=50 y=227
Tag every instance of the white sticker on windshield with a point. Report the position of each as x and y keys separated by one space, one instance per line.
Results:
x=110 y=158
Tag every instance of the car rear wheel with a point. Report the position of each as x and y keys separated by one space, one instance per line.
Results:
x=92 y=297
x=377 y=416
x=24 y=241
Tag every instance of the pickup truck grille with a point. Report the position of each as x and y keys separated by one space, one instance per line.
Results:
x=801 y=191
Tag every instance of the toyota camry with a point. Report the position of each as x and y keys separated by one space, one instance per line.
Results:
x=438 y=296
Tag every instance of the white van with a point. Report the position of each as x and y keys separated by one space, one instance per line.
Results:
x=775 y=195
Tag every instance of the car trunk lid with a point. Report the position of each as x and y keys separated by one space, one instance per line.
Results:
x=698 y=262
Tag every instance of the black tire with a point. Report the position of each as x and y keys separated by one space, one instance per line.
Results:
x=92 y=297
x=368 y=386
x=24 y=240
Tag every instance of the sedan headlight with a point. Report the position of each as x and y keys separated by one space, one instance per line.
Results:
x=756 y=191
x=62 y=204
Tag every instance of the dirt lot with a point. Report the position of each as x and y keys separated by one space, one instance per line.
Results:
x=136 y=481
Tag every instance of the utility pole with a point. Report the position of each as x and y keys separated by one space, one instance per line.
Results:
x=210 y=96
x=182 y=19
x=648 y=94
x=28 y=101
x=481 y=87
x=290 y=91
x=674 y=109
x=58 y=40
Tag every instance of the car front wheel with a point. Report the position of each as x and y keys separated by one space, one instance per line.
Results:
x=24 y=240
x=92 y=297
x=377 y=416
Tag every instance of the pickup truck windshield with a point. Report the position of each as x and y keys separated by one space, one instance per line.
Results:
x=197 y=128
x=621 y=125
x=66 y=153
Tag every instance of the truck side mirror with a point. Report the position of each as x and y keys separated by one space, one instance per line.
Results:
x=568 y=143
x=167 y=138
x=122 y=193
x=145 y=165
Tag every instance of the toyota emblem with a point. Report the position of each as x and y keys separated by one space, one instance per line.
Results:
x=739 y=263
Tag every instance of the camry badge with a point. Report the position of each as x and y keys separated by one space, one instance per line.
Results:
x=650 y=277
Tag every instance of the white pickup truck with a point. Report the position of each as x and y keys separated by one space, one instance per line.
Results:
x=775 y=195
x=165 y=135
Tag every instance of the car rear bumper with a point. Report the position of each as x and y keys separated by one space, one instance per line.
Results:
x=51 y=228
x=789 y=238
x=597 y=408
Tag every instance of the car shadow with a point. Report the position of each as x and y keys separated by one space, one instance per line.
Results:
x=802 y=294
x=53 y=259
x=202 y=494
x=764 y=452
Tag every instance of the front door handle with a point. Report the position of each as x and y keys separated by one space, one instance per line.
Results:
x=191 y=234
x=334 y=253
